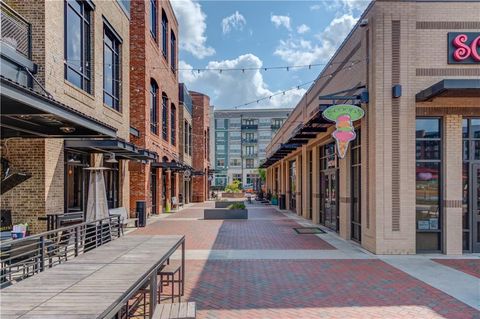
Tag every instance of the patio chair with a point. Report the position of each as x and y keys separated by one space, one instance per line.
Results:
x=23 y=254
x=59 y=247
x=125 y=219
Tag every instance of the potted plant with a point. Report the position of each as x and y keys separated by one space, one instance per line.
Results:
x=274 y=199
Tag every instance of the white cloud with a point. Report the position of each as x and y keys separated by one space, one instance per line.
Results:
x=192 y=25
x=232 y=88
x=294 y=50
x=235 y=21
x=346 y=5
x=281 y=21
x=301 y=29
x=316 y=7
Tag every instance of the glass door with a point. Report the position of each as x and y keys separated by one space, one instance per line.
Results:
x=330 y=208
x=153 y=190
x=475 y=207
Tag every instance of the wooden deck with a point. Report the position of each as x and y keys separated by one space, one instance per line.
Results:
x=93 y=285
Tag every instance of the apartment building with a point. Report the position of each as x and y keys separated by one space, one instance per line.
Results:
x=241 y=138
x=155 y=105
x=65 y=106
x=410 y=179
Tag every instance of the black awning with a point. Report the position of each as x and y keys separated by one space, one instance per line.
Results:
x=26 y=113
x=450 y=88
x=172 y=166
x=121 y=149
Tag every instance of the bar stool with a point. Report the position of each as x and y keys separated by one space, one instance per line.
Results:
x=167 y=277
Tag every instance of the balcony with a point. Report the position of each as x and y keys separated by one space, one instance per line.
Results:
x=15 y=47
x=249 y=141
x=250 y=155
x=249 y=126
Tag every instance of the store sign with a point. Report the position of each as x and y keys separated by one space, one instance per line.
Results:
x=463 y=47
x=343 y=115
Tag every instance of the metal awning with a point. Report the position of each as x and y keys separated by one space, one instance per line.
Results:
x=120 y=148
x=450 y=88
x=27 y=113
x=172 y=166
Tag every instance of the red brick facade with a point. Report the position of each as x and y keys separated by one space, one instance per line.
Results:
x=148 y=64
x=201 y=142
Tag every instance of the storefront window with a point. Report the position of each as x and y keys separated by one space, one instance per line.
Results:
x=112 y=183
x=293 y=182
x=328 y=186
x=428 y=187
x=76 y=182
x=356 y=181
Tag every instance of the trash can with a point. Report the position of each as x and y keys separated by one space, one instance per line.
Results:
x=141 y=214
x=282 y=199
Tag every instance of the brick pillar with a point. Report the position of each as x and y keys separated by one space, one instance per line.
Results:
x=316 y=185
x=305 y=191
x=343 y=196
x=298 y=183
x=452 y=185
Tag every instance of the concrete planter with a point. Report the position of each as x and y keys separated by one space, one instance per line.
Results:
x=221 y=213
x=233 y=195
x=225 y=204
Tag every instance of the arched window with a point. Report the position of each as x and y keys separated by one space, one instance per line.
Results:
x=153 y=107
x=153 y=18
x=173 y=124
x=164 y=34
x=173 y=51
x=165 y=116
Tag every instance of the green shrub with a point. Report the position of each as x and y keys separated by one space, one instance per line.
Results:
x=234 y=187
x=237 y=206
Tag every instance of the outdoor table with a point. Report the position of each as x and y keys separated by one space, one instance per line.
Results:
x=96 y=284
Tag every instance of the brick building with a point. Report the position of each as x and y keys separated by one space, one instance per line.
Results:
x=186 y=149
x=51 y=128
x=201 y=151
x=154 y=103
x=405 y=185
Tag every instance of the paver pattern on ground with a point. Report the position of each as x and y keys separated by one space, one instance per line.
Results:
x=468 y=266
x=296 y=288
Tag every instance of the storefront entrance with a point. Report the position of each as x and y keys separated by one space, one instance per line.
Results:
x=329 y=187
x=153 y=190
x=293 y=188
x=475 y=206
x=356 y=186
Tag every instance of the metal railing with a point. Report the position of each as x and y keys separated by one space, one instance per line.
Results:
x=25 y=257
x=249 y=126
x=15 y=30
x=250 y=140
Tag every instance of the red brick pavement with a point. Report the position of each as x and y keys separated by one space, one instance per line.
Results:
x=314 y=289
x=468 y=266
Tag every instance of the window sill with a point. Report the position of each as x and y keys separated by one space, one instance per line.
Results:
x=113 y=111
x=80 y=91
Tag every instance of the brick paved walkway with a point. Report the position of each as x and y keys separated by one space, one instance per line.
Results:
x=468 y=266
x=291 y=287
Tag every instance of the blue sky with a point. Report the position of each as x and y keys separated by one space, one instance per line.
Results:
x=237 y=34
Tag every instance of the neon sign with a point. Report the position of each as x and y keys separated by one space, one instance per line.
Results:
x=464 y=47
x=343 y=115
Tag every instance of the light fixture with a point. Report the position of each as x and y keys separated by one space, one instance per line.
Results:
x=111 y=159
x=25 y=117
x=67 y=129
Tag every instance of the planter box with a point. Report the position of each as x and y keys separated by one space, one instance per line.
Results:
x=233 y=195
x=225 y=204
x=274 y=201
x=221 y=213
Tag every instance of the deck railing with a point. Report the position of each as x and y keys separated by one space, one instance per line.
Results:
x=25 y=257
x=15 y=30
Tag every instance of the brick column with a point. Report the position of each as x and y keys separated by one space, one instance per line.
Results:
x=298 y=183
x=304 y=176
x=452 y=185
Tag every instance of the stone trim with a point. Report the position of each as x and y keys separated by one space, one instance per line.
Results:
x=450 y=110
x=447 y=72
x=396 y=74
x=447 y=25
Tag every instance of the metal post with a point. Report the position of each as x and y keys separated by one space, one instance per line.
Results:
x=101 y=232
x=76 y=241
x=153 y=293
x=42 y=253
x=119 y=230
x=183 y=265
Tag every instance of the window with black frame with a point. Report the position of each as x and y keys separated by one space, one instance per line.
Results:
x=165 y=117
x=78 y=66
x=190 y=140
x=153 y=18
x=356 y=186
x=164 y=34
x=173 y=51
x=111 y=68
x=428 y=184
x=112 y=184
x=185 y=137
x=76 y=180
x=153 y=107
x=173 y=124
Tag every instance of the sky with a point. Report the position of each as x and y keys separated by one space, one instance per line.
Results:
x=259 y=34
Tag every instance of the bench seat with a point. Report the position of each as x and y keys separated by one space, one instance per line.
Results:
x=180 y=310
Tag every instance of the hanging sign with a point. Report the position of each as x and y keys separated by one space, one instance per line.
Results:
x=463 y=47
x=343 y=115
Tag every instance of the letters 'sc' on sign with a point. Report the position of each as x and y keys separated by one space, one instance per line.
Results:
x=343 y=115
x=464 y=47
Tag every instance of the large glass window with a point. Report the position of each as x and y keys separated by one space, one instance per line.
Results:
x=112 y=184
x=471 y=156
x=78 y=65
x=164 y=34
x=185 y=137
x=190 y=140
x=76 y=182
x=293 y=184
x=111 y=69
x=428 y=183
x=356 y=181
x=154 y=107
x=165 y=117
x=173 y=124
x=153 y=18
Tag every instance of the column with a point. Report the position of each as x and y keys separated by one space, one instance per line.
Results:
x=452 y=185
x=168 y=193
x=343 y=196
x=315 y=185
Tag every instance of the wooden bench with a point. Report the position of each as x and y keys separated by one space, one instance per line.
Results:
x=181 y=310
x=125 y=219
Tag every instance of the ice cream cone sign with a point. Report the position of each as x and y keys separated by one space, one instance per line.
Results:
x=343 y=115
